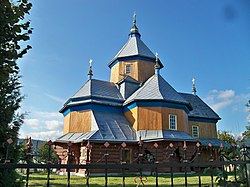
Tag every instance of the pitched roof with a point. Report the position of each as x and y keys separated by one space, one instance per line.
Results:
x=99 y=88
x=135 y=46
x=214 y=141
x=129 y=79
x=156 y=88
x=102 y=92
x=200 y=108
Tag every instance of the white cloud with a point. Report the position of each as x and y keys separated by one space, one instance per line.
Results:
x=53 y=125
x=227 y=94
x=219 y=99
x=42 y=125
x=32 y=123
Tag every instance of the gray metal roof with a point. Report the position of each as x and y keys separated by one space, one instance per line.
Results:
x=75 y=137
x=156 y=88
x=214 y=141
x=96 y=91
x=200 y=108
x=113 y=127
x=156 y=135
x=99 y=88
x=134 y=46
x=127 y=78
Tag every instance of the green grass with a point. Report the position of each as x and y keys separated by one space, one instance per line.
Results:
x=76 y=181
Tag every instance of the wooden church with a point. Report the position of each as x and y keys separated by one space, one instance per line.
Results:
x=136 y=105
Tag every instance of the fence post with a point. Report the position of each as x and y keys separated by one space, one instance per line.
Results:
x=245 y=160
x=7 y=143
x=49 y=143
x=106 y=144
x=123 y=161
x=28 y=157
x=68 y=162
x=198 y=152
x=222 y=155
x=140 y=143
x=185 y=160
x=156 y=162
x=171 y=154
x=88 y=146
x=211 y=160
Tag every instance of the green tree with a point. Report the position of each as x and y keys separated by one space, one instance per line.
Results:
x=43 y=154
x=14 y=29
x=246 y=134
x=227 y=137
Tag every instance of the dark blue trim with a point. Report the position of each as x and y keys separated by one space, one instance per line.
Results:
x=131 y=58
x=197 y=119
x=94 y=107
x=155 y=104
x=119 y=101
x=137 y=35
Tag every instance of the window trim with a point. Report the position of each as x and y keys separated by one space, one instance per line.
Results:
x=169 y=120
x=128 y=69
x=198 y=133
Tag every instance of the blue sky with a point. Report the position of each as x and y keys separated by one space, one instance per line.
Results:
x=208 y=40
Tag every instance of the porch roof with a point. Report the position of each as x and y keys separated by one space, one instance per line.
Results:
x=214 y=141
x=156 y=135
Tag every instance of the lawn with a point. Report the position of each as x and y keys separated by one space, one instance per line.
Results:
x=76 y=181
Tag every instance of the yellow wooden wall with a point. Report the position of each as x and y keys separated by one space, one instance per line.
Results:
x=206 y=130
x=140 y=70
x=78 y=121
x=156 y=118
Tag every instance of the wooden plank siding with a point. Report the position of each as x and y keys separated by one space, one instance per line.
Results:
x=78 y=121
x=156 y=118
x=140 y=70
x=206 y=130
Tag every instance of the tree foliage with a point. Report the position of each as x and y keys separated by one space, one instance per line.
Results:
x=43 y=154
x=227 y=137
x=14 y=29
x=246 y=133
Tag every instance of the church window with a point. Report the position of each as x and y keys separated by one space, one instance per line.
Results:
x=127 y=68
x=172 y=122
x=195 y=131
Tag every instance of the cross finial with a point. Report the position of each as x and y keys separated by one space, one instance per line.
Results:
x=90 y=74
x=157 y=65
x=193 y=87
x=156 y=55
x=134 y=21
